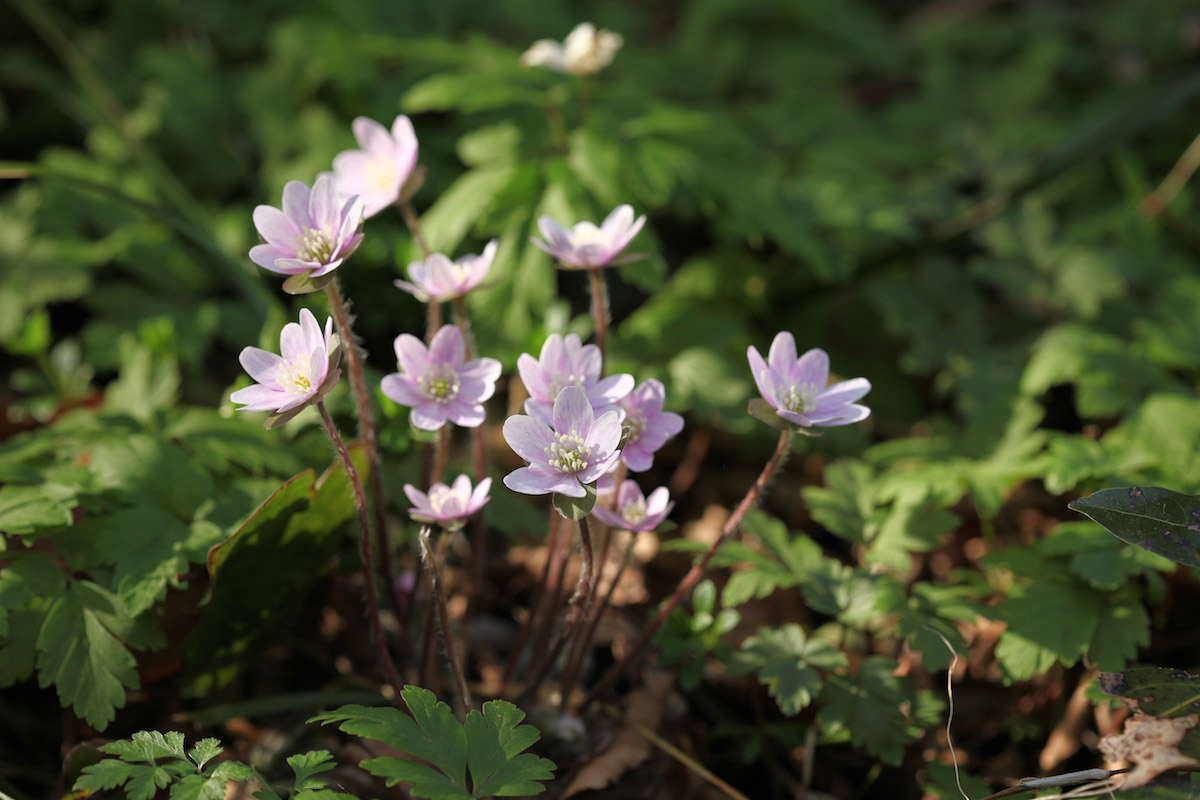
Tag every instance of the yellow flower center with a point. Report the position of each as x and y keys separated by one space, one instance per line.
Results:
x=586 y=233
x=635 y=423
x=560 y=382
x=569 y=454
x=381 y=176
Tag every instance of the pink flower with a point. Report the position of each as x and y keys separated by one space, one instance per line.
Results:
x=439 y=279
x=585 y=246
x=305 y=372
x=437 y=383
x=448 y=506
x=566 y=361
x=312 y=235
x=648 y=425
x=796 y=387
x=575 y=451
x=635 y=512
x=377 y=173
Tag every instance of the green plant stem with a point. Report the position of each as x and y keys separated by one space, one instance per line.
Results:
x=414 y=226
x=694 y=574
x=366 y=427
x=600 y=311
x=438 y=598
x=577 y=611
x=360 y=502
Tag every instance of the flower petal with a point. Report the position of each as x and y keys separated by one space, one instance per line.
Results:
x=573 y=413
x=528 y=437
x=411 y=355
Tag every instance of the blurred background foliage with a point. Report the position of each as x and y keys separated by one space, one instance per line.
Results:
x=948 y=196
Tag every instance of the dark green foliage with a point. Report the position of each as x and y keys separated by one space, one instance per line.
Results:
x=490 y=746
x=1158 y=520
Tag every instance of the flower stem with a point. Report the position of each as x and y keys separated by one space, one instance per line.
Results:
x=366 y=427
x=693 y=576
x=577 y=610
x=360 y=502
x=600 y=311
x=539 y=593
x=479 y=452
x=575 y=660
x=438 y=598
x=414 y=226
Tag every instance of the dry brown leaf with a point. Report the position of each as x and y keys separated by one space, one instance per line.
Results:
x=1152 y=744
x=628 y=748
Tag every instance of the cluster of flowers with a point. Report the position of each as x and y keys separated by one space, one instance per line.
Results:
x=578 y=426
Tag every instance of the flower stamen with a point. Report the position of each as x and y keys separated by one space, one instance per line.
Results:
x=569 y=454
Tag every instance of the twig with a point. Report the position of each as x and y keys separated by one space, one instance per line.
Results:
x=1176 y=179
x=693 y=576
x=677 y=754
x=1052 y=781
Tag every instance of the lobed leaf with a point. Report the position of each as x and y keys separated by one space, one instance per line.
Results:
x=496 y=742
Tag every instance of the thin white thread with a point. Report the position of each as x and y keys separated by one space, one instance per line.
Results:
x=950 y=711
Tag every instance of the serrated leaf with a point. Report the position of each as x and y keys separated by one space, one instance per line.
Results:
x=907 y=530
x=1047 y=622
x=787 y=662
x=431 y=734
x=867 y=708
x=202 y=787
x=846 y=504
x=86 y=663
x=107 y=774
x=306 y=765
x=204 y=751
x=1158 y=520
x=1123 y=628
x=496 y=742
x=25 y=509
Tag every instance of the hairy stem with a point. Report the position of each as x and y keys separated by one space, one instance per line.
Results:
x=600 y=311
x=575 y=660
x=479 y=454
x=360 y=502
x=538 y=594
x=577 y=611
x=438 y=598
x=366 y=427
x=694 y=574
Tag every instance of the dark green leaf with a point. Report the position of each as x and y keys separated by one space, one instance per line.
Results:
x=1164 y=522
x=787 y=662
x=496 y=742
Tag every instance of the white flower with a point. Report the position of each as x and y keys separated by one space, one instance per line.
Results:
x=585 y=51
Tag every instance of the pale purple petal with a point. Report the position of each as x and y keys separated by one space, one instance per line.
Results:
x=609 y=517
x=402 y=389
x=605 y=434
x=812 y=369
x=372 y=137
x=659 y=501
x=528 y=437
x=532 y=376
x=428 y=416
x=275 y=227
x=417 y=497
x=527 y=481
x=611 y=389
x=411 y=354
x=841 y=394
x=259 y=364
x=295 y=203
x=259 y=398
x=447 y=347
x=573 y=413
x=480 y=495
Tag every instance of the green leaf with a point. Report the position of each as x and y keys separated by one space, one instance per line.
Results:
x=455 y=211
x=491 y=744
x=1123 y=628
x=204 y=751
x=262 y=571
x=78 y=653
x=25 y=509
x=846 y=504
x=786 y=662
x=867 y=709
x=146 y=469
x=1157 y=691
x=1048 y=622
x=306 y=765
x=1164 y=522
x=496 y=742
x=148 y=380
x=431 y=734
